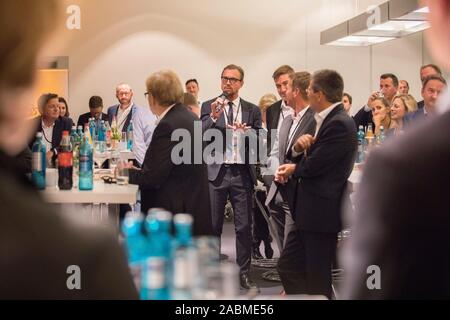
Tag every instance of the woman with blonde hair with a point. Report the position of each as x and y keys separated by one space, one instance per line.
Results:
x=264 y=103
x=401 y=105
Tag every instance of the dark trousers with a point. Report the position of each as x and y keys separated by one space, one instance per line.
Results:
x=234 y=181
x=305 y=264
x=260 y=226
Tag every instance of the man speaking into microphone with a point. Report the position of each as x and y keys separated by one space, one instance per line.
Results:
x=234 y=175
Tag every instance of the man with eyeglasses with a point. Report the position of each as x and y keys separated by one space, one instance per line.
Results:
x=233 y=176
x=143 y=121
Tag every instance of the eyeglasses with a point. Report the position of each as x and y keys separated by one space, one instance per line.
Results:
x=232 y=80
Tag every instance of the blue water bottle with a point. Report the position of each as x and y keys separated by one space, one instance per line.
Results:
x=39 y=162
x=86 y=163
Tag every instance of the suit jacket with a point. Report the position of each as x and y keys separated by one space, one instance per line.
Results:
x=112 y=111
x=307 y=126
x=323 y=173
x=179 y=188
x=84 y=118
x=420 y=104
x=402 y=218
x=61 y=124
x=363 y=118
x=251 y=115
x=272 y=119
x=38 y=245
x=413 y=117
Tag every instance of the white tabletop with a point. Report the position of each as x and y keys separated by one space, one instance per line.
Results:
x=355 y=179
x=102 y=193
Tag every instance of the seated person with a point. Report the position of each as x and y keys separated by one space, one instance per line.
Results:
x=190 y=102
x=380 y=115
x=51 y=125
x=347 y=102
x=432 y=88
x=95 y=111
x=401 y=106
x=64 y=109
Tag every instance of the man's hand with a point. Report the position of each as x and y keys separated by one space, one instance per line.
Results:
x=239 y=126
x=49 y=156
x=284 y=172
x=304 y=143
x=372 y=98
x=217 y=108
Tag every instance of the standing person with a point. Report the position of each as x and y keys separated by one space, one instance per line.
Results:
x=233 y=176
x=328 y=158
x=402 y=216
x=163 y=180
x=193 y=88
x=280 y=197
x=277 y=112
x=39 y=246
x=51 y=125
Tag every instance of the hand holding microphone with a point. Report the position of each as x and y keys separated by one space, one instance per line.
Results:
x=218 y=105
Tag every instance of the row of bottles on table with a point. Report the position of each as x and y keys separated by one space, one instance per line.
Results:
x=166 y=267
x=367 y=140
x=75 y=152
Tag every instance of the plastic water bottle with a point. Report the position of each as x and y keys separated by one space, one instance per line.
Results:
x=130 y=136
x=361 y=145
x=102 y=131
x=381 y=136
x=39 y=162
x=136 y=244
x=86 y=164
x=155 y=280
x=185 y=266
x=92 y=128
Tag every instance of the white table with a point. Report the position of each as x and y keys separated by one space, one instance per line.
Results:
x=355 y=179
x=109 y=195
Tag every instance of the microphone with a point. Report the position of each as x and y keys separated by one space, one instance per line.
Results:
x=223 y=96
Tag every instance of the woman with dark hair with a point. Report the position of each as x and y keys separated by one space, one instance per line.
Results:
x=64 y=109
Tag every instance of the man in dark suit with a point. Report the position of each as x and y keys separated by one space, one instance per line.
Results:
x=425 y=72
x=433 y=86
x=96 y=108
x=234 y=174
x=178 y=185
x=277 y=112
x=388 y=89
x=402 y=215
x=328 y=158
x=280 y=197
x=51 y=125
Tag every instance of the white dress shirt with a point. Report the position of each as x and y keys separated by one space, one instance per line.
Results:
x=122 y=116
x=321 y=116
x=47 y=135
x=285 y=111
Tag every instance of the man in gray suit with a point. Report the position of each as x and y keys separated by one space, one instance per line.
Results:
x=279 y=198
x=400 y=242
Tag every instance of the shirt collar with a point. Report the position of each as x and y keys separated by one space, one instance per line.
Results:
x=45 y=127
x=301 y=113
x=164 y=114
x=321 y=116
x=236 y=102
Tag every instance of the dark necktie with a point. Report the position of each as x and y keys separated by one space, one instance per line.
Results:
x=230 y=114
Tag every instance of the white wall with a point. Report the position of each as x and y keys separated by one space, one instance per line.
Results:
x=125 y=41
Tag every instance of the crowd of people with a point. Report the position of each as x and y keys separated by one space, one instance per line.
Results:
x=311 y=145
